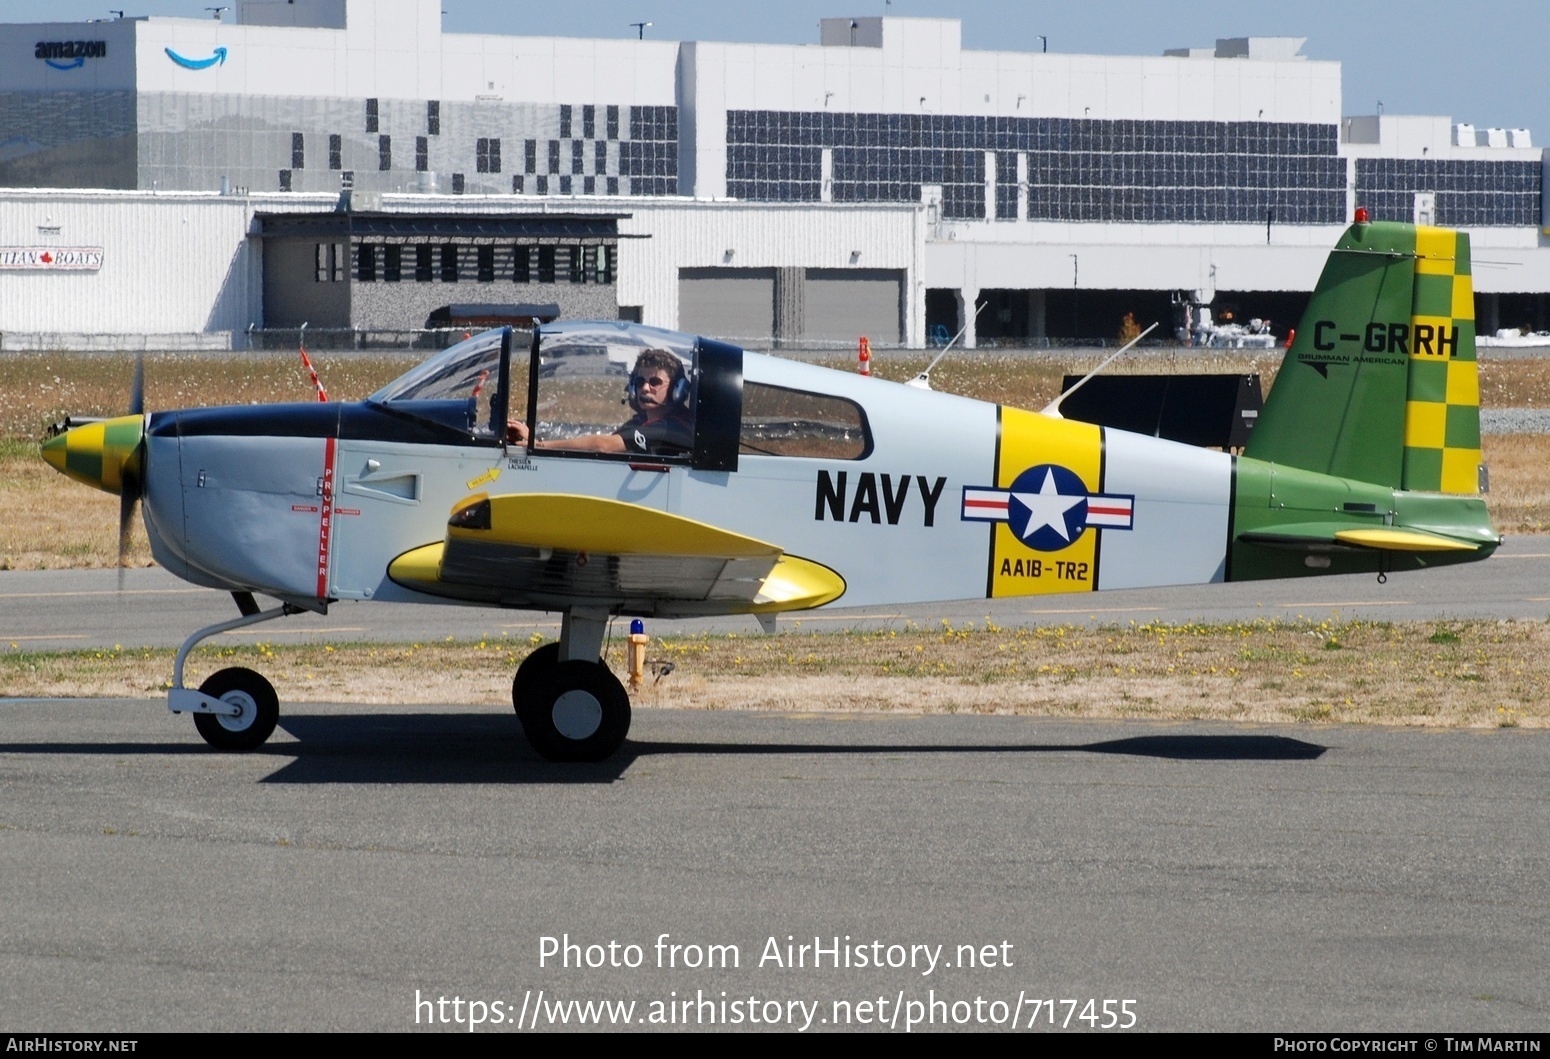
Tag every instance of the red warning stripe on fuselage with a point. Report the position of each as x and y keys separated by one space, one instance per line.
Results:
x=326 y=516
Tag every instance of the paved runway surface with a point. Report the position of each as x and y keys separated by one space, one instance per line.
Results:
x=1217 y=877
x=63 y=609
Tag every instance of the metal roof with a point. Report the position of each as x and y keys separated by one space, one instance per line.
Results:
x=388 y=225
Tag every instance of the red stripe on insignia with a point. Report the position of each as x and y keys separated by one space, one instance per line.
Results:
x=326 y=518
x=1093 y=509
x=999 y=505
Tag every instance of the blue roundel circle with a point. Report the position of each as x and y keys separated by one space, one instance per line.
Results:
x=1048 y=507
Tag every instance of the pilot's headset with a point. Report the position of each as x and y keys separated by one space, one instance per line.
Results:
x=677 y=393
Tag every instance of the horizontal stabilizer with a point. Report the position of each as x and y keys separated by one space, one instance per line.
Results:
x=1323 y=536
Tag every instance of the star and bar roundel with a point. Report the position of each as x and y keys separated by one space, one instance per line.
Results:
x=1046 y=497
x=1048 y=507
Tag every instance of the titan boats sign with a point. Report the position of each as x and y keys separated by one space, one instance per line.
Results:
x=57 y=258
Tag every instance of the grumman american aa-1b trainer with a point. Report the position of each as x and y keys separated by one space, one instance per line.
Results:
x=497 y=475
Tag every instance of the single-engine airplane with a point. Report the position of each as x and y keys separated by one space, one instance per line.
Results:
x=748 y=484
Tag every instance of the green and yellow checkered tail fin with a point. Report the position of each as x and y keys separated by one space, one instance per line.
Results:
x=1380 y=384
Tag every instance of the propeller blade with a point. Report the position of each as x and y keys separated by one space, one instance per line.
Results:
x=129 y=492
x=137 y=389
x=128 y=499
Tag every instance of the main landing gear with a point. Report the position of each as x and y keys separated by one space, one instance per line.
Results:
x=571 y=706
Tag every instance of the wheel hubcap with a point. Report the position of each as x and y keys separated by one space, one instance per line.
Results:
x=243 y=720
x=577 y=714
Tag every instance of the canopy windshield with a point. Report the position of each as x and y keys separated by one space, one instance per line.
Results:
x=459 y=386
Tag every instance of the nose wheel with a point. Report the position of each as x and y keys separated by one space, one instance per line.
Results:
x=258 y=710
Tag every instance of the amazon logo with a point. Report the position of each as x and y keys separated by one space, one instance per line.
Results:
x=69 y=54
x=216 y=58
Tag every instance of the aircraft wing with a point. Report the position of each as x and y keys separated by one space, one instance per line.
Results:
x=1326 y=536
x=554 y=550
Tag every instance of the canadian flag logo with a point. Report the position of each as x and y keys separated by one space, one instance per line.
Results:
x=47 y=258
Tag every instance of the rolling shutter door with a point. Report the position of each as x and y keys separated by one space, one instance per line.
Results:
x=841 y=304
x=728 y=303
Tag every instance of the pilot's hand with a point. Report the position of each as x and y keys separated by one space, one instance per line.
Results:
x=517 y=432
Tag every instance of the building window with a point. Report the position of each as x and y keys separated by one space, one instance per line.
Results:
x=530 y=156
x=457 y=183
x=565 y=111
x=542 y=183
x=384 y=153
x=565 y=185
x=449 y=263
x=486 y=257
x=578 y=154
x=336 y=151
x=298 y=151
x=546 y=264
x=554 y=156
x=329 y=259
x=433 y=117
x=605 y=264
x=371 y=115
x=366 y=263
x=422 y=154
x=600 y=158
x=285 y=180
x=577 y=272
x=392 y=263
x=589 y=121
x=487 y=155
x=516 y=184
x=424 y=263
x=612 y=131
x=522 y=264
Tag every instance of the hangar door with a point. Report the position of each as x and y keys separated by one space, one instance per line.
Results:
x=730 y=303
x=845 y=303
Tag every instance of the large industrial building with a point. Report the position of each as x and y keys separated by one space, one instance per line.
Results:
x=346 y=164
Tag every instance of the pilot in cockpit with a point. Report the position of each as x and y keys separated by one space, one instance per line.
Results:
x=658 y=393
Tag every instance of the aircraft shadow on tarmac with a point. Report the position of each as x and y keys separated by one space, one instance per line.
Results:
x=488 y=748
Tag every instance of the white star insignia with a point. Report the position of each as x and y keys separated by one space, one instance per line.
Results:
x=1047 y=507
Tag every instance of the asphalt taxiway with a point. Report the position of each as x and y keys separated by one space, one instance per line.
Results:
x=1216 y=877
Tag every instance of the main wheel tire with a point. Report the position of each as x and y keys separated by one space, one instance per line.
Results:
x=536 y=665
x=254 y=696
x=576 y=711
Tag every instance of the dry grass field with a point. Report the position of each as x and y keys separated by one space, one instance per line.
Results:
x=1472 y=674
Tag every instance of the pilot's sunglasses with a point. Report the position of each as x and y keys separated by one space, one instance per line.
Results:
x=655 y=380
